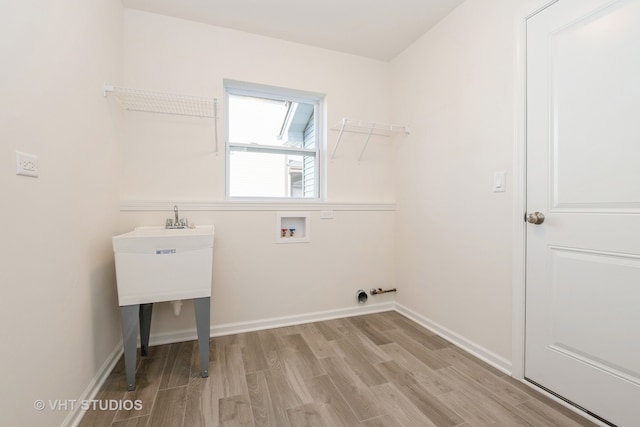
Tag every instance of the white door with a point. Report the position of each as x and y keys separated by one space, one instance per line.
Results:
x=583 y=175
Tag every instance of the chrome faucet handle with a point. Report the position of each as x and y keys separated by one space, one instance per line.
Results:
x=168 y=223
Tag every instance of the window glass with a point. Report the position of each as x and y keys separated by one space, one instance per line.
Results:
x=256 y=120
x=272 y=147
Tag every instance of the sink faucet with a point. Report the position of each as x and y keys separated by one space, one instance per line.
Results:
x=178 y=223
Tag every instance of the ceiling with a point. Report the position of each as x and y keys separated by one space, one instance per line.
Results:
x=378 y=29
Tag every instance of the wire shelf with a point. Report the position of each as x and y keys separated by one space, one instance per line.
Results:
x=162 y=102
x=149 y=101
x=369 y=128
x=361 y=126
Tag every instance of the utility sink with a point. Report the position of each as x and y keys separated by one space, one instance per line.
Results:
x=155 y=264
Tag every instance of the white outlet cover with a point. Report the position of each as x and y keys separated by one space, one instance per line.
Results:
x=26 y=164
x=326 y=214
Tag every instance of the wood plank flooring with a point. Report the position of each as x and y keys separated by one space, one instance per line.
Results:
x=376 y=370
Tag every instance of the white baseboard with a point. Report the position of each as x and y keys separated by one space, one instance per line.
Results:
x=275 y=322
x=467 y=345
x=75 y=415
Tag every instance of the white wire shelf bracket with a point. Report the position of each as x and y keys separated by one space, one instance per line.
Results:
x=148 y=101
x=368 y=128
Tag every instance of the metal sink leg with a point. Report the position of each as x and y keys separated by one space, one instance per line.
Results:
x=129 y=315
x=202 y=308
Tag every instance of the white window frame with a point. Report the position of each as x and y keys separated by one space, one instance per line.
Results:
x=232 y=87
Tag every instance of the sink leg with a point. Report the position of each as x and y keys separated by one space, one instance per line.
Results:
x=145 y=327
x=202 y=308
x=129 y=317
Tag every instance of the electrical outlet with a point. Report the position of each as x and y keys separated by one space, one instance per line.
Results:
x=26 y=164
x=326 y=214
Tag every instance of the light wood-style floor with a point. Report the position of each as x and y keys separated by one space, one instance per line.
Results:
x=373 y=370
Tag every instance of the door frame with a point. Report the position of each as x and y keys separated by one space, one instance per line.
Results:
x=520 y=187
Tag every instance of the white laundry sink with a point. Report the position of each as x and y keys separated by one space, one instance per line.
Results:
x=155 y=264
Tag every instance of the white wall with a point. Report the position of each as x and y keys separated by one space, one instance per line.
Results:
x=58 y=320
x=169 y=158
x=172 y=159
x=255 y=279
x=455 y=87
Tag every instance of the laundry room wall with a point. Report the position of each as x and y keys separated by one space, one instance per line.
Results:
x=169 y=160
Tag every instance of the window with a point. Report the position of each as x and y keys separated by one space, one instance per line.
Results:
x=272 y=142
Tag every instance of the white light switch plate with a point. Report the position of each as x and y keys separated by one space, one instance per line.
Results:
x=26 y=164
x=499 y=182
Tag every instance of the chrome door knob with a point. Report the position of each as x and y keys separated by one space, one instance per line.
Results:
x=535 y=218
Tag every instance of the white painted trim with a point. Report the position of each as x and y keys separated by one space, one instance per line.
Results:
x=275 y=322
x=75 y=415
x=520 y=188
x=192 y=205
x=467 y=345
x=519 y=203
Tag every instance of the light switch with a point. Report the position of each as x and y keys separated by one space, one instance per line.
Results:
x=499 y=182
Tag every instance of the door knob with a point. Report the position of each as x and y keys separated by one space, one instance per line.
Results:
x=535 y=218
